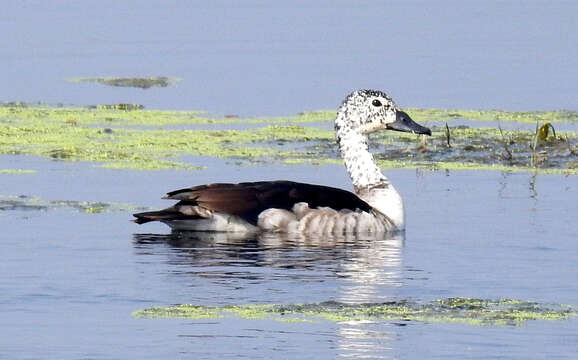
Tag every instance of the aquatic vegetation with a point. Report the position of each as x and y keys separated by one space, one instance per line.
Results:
x=489 y=148
x=17 y=171
x=127 y=136
x=34 y=203
x=448 y=136
x=506 y=142
x=142 y=83
x=119 y=107
x=462 y=310
x=421 y=115
x=192 y=311
x=542 y=132
x=540 y=137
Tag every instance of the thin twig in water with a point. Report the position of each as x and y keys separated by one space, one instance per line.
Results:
x=508 y=155
x=533 y=146
x=423 y=146
x=570 y=148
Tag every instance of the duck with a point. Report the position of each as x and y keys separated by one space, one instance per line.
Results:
x=286 y=206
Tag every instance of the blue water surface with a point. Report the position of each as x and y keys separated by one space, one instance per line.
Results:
x=69 y=280
x=277 y=58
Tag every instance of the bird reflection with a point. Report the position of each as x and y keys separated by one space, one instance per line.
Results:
x=363 y=268
x=347 y=254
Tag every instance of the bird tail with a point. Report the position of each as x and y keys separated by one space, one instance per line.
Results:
x=160 y=215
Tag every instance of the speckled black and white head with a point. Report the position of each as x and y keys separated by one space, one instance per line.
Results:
x=366 y=111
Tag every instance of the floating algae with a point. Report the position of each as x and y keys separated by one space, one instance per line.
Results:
x=137 y=82
x=76 y=135
x=123 y=136
x=33 y=203
x=420 y=115
x=461 y=310
x=17 y=171
x=127 y=107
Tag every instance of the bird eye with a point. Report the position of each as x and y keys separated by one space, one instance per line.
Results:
x=376 y=103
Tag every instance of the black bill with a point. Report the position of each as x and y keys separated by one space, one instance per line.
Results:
x=404 y=123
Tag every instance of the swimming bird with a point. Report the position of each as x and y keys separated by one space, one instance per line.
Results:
x=294 y=207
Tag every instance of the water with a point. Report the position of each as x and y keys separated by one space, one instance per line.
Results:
x=69 y=280
x=273 y=58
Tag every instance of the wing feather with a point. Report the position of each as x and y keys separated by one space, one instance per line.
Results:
x=247 y=200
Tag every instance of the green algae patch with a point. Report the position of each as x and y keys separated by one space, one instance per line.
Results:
x=180 y=311
x=17 y=171
x=125 y=107
x=66 y=139
x=450 y=310
x=250 y=311
x=136 y=82
x=34 y=203
x=126 y=136
x=189 y=311
x=492 y=115
x=296 y=132
x=149 y=164
x=105 y=114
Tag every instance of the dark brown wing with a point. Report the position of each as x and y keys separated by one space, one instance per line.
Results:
x=248 y=200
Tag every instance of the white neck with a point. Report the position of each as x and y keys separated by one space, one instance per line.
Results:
x=359 y=162
x=368 y=181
